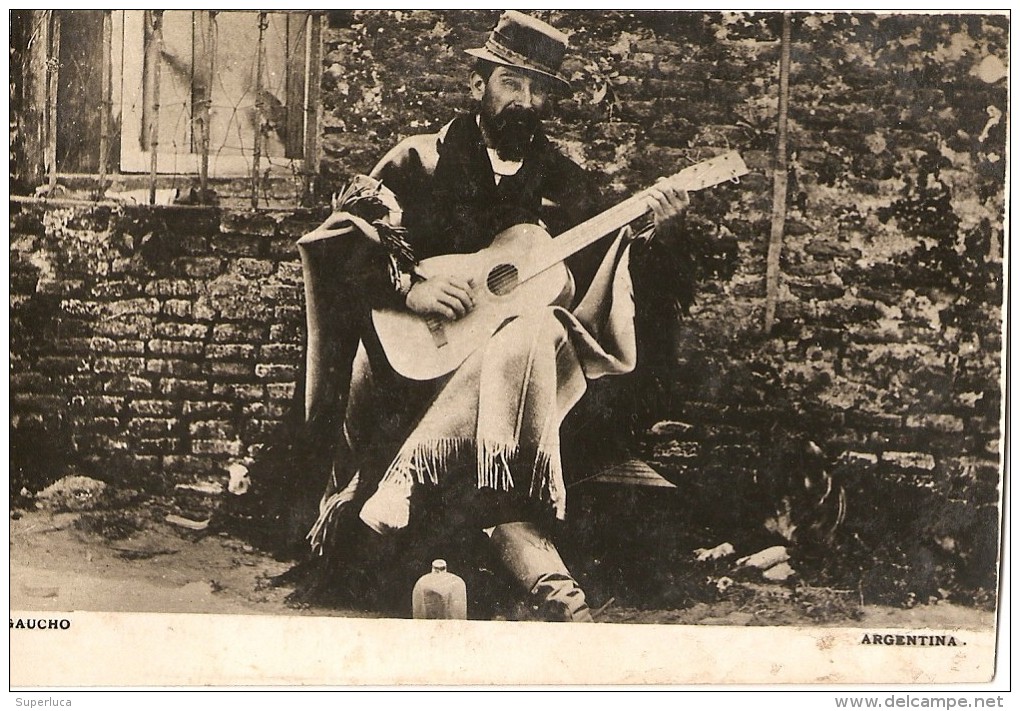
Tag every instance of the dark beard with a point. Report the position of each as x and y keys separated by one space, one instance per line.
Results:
x=511 y=131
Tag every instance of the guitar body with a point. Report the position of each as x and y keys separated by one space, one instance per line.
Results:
x=504 y=286
x=521 y=272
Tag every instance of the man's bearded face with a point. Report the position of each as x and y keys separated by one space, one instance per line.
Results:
x=511 y=110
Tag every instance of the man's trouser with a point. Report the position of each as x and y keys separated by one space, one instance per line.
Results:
x=530 y=557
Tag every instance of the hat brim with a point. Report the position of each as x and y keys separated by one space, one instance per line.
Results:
x=483 y=53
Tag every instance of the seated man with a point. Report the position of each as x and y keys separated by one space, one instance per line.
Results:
x=478 y=449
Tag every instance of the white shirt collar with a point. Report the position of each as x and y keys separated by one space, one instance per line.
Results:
x=500 y=167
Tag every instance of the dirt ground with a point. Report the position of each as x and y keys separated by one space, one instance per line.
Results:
x=59 y=564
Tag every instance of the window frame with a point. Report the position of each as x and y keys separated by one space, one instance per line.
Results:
x=37 y=170
x=136 y=159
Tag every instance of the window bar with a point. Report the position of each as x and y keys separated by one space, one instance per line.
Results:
x=106 y=102
x=259 y=62
x=52 y=67
x=312 y=107
x=297 y=77
x=779 y=183
x=204 y=106
x=156 y=55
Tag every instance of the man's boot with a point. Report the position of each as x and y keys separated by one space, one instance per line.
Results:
x=533 y=561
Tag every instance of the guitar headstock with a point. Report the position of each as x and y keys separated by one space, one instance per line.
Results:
x=728 y=166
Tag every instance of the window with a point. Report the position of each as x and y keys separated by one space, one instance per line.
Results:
x=222 y=94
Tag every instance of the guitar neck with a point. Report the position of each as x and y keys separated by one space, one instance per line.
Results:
x=591 y=231
x=703 y=175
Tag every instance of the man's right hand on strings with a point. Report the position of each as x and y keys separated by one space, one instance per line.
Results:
x=445 y=296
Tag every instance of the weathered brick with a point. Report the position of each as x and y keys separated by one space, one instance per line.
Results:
x=203 y=309
x=292 y=332
x=62 y=364
x=172 y=366
x=217 y=447
x=187 y=464
x=182 y=331
x=281 y=293
x=97 y=425
x=116 y=289
x=280 y=391
x=275 y=371
x=162 y=445
x=177 y=308
x=862 y=457
x=125 y=346
x=207 y=408
x=151 y=426
x=261 y=429
x=60 y=287
x=29 y=382
x=128 y=384
x=237 y=333
x=130 y=307
x=193 y=244
x=131 y=327
x=237 y=226
x=119 y=364
x=909 y=460
x=152 y=407
x=77 y=307
x=173 y=288
x=199 y=267
x=226 y=369
x=82 y=383
x=97 y=404
x=941 y=423
x=274 y=409
x=39 y=402
x=229 y=351
x=72 y=345
x=238 y=391
x=293 y=313
x=280 y=351
x=290 y=273
x=175 y=348
x=183 y=388
x=24 y=243
x=212 y=429
x=253 y=268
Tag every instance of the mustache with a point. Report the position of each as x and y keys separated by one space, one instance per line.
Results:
x=516 y=118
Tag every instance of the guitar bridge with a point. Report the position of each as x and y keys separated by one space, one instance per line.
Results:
x=438 y=330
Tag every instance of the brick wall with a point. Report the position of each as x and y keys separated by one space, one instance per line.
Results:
x=152 y=344
x=163 y=342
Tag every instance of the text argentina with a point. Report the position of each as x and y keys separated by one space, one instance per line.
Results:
x=39 y=624
x=911 y=640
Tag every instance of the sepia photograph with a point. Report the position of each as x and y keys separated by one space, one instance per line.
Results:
x=430 y=329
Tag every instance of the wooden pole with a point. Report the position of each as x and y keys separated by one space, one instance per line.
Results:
x=33 y=32
x=259 y=63
x=106 y=102
x=779 y=183
x=311 y=167
x=156 y=58
x=52 y=85
x=204 y=107
x=297 y=47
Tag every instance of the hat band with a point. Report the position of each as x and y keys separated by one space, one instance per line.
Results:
x=501 y=50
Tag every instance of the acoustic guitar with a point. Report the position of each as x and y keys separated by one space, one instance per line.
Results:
x=521 y=271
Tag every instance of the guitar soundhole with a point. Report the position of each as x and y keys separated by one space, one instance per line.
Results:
x=502 y=279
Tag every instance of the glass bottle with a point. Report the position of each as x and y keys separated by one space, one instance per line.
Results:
x=439 y=595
